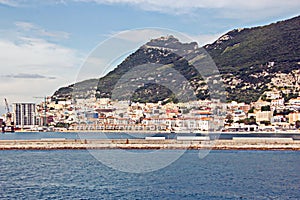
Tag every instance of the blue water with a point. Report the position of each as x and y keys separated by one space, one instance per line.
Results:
x=75 y=174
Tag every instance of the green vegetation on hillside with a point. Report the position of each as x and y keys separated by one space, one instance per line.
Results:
x=247 y=60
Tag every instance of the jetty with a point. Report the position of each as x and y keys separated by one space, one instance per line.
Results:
x=153 y=143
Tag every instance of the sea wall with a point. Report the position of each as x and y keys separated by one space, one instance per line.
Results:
x=236 y=144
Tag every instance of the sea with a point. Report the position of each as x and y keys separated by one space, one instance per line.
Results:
x=221 y=174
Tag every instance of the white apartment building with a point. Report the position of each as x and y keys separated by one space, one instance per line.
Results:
x=24 y=114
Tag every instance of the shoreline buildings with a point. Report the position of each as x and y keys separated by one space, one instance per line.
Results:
x=197 y=116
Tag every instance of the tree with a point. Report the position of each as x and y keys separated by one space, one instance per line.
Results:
x=284 y=112
x=250 y=121
x=267 y=123
x=229 y=118
x=251 y=110
x=297 y=124
x=264 y=97
x=275 y=112
x=265 y=108
x=289 y=96
x=62 y=125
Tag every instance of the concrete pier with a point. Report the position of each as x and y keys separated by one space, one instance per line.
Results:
x=236 y=144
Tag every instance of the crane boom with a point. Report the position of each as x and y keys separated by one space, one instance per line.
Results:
x=8 y=114
x=8 y=124
x=6 y=105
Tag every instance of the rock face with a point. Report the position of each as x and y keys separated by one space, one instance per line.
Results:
x=251 y=61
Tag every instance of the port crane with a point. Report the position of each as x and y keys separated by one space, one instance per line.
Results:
x=8 y=124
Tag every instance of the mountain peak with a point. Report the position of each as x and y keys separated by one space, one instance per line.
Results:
x=243 y=57
x=170 y=42
x=168 y=38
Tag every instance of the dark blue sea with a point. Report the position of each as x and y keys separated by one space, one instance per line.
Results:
x=76 y=174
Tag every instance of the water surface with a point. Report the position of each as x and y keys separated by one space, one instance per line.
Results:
x=75 y=174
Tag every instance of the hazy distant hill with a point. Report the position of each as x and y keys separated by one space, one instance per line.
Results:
x=251 y=61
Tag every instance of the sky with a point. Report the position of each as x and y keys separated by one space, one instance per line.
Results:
x=44 y=44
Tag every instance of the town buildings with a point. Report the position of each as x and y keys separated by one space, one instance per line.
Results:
x=106 y=114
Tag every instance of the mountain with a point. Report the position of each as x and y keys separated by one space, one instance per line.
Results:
x=250 y=58
x=81 y=89
x=149 y=71
x=251 y=61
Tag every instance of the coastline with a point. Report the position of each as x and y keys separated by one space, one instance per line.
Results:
x=106 y=144
x=162 y=132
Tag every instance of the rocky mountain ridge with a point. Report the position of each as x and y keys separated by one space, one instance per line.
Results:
x=251 y=61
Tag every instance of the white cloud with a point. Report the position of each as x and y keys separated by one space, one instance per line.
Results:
x=25 y=3
x=25 y=25
x=27 y=76
x=35 y=30
x=223 y=8
x=9 y=2
x=236 y=9
x=35 y=52
x=252 y=10
x=34 y=67
x=174 y=4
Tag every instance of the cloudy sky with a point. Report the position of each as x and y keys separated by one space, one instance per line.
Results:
x=43 y=44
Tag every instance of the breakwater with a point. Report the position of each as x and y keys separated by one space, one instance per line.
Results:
x=235 y=144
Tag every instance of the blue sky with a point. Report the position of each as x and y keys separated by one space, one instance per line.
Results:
x=43 y=44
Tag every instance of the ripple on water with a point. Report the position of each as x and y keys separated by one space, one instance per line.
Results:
x=68 y=174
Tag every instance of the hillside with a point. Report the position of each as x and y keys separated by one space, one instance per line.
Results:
x=163 y=52
x=252 y=57
x=251 y=61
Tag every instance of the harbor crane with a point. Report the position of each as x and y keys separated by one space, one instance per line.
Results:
x=8 y=114
x=8 y=125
